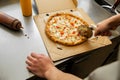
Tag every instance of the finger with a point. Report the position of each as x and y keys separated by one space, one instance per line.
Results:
x=104 y=33
x=30 y=58
x=37 y=56
x=109 y=33
x=97 y=32
x=42 y=54
x=34 y=55
x=29 y=63
x=30 y=69
x=113 y=28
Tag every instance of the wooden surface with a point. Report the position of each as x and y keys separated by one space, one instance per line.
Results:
x=68 y=51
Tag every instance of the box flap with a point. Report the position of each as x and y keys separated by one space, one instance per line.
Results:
x=45 y=6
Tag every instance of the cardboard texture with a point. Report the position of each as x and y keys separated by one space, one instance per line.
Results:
x=57 y=51
x=45 y=6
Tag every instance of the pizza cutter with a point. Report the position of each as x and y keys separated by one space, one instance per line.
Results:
x=89 y=31
x=86 y=31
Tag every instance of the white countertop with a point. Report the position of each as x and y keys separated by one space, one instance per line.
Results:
x=15 y=46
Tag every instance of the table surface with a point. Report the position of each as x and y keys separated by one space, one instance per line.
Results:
x=15 y=46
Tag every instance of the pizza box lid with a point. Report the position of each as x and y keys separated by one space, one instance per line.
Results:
x=45 y=6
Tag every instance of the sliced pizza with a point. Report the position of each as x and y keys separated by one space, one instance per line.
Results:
x=67 y=29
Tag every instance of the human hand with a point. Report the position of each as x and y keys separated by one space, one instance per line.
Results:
x=42 y=66
x=39 y=64
x=103 y=28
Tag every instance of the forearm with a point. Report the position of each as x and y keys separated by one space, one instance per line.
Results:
x=114 y=20
x=55 y=74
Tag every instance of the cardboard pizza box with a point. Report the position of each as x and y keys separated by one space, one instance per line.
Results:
x=57 y=51
x=45 y=6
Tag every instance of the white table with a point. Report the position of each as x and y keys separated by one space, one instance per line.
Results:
x=15 y=46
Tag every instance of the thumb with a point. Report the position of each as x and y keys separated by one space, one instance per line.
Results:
x=97 y=32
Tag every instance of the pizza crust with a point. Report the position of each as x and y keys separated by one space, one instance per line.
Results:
x=63 y=28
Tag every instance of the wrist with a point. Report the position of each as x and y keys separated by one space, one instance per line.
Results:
x=114 y=21
x=51 y=74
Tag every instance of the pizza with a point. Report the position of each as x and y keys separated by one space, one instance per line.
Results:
x=67 y=29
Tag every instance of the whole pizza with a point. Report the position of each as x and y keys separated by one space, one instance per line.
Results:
x=67 y=29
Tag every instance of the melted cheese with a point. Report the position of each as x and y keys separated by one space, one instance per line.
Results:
x=62 y=28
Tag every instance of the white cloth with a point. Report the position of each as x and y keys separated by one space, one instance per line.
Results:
x=108 y=72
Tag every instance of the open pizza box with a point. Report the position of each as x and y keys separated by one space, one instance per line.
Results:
x=57 y=51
